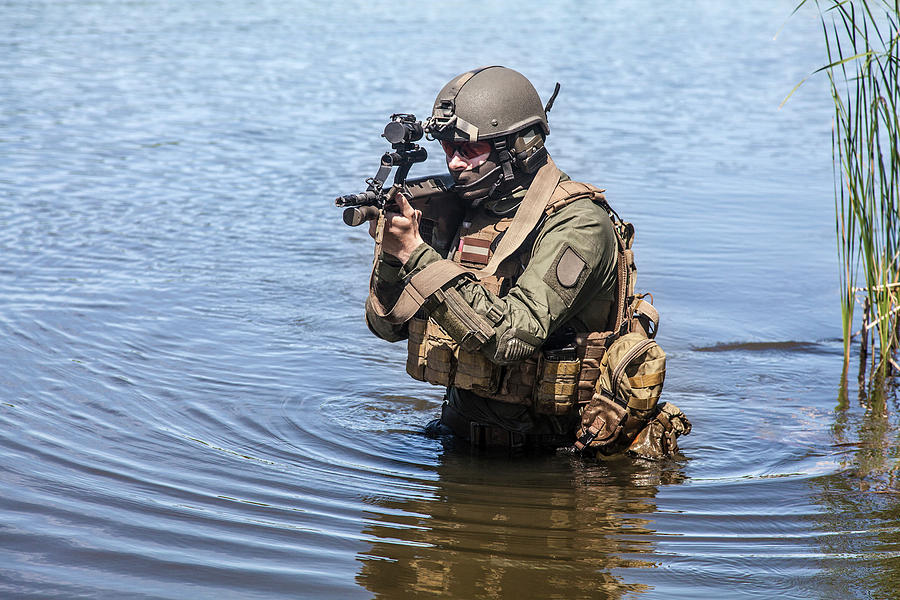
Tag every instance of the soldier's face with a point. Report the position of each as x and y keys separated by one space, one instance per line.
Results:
x=469 y=164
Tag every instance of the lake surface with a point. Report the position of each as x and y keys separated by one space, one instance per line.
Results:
x=192 y=406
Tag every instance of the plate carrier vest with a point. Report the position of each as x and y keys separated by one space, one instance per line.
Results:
x=548 y=384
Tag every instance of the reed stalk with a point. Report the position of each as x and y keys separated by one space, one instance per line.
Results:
x=862 y=40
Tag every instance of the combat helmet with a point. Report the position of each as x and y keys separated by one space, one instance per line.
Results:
x=498 y=105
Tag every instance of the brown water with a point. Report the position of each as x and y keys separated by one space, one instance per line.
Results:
x=193 y=407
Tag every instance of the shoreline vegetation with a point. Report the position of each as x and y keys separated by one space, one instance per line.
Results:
x=862 y=41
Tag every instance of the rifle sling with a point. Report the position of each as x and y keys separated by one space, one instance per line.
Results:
x=527 y=217
x=436 y=275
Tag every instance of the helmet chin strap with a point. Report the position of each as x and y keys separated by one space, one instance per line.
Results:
x=505 y=157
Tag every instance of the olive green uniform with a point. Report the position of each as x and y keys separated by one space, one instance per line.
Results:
x=565 y=278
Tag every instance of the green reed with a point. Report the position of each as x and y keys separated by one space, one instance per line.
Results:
x=863 y=48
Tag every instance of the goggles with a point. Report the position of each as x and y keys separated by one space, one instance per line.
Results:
x=467 y=150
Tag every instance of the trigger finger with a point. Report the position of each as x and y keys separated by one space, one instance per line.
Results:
x=405 y=208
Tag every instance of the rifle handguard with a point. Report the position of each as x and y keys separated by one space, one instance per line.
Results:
x=357 y=215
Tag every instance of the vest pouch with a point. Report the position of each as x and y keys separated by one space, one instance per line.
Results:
x=602 y=424
x=633 y=371
x=475 y=372
x=557 y=385
x=439 y=354
x=517 y=382
x=416 y=352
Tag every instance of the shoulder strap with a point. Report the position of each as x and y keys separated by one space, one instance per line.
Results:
x=527 y=216
x=568 y=192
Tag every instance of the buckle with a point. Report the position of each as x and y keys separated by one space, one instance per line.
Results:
x=584 y=442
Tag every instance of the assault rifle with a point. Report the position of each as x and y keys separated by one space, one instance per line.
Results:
x=441 y=210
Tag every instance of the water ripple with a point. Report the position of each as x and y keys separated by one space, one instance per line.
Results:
x=194 y=407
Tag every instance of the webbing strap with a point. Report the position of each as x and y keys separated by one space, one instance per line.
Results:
x=433 y=277
x=647 y=380
x=417 y=290
x=642 y=404
x=642 y=307
x=622 y=279
x=635 y=351
x=527 y=216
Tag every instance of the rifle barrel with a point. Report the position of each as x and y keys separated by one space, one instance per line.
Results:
x=369 y=197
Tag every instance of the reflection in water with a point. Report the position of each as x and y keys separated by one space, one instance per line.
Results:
x=871 y=436
x=862 y=500
x=174 y=271
x=551 y=527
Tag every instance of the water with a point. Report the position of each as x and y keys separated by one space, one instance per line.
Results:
x=192 y=406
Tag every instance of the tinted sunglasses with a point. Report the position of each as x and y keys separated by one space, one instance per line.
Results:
x=467 y=150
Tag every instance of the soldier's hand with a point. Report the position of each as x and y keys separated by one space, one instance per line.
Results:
x=401 y=230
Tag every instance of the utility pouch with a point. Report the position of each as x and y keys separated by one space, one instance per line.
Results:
x=435 y=357
x=439 y=355
x=631 y=378
x=475 y=372
x=557 y=385
x=416 y=351
x=431 y=352
x=633 y=371
x=517 y=382
x=602 y=423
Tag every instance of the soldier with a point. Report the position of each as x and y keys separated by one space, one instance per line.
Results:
x=514 y=321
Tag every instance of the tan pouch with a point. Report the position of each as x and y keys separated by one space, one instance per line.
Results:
x=475 y=372
x=415 y=357
x=633 y=370
x=439 y=355
x=517 y=382
x=602 y=422
x=557 y=385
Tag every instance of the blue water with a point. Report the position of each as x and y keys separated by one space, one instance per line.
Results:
x=192 y=405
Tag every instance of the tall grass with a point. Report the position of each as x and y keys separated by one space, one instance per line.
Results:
x=863 y=48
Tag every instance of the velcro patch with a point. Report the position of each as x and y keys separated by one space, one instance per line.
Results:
x=474 y=250
x=567 y=274
x=569 y=268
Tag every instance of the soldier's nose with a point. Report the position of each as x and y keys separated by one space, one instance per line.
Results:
x=458 y=163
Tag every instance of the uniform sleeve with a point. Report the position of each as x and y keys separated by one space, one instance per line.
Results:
x=573 y=261
x=388 y=285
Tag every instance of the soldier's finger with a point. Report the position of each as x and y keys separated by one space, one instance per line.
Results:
x=405 y=208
